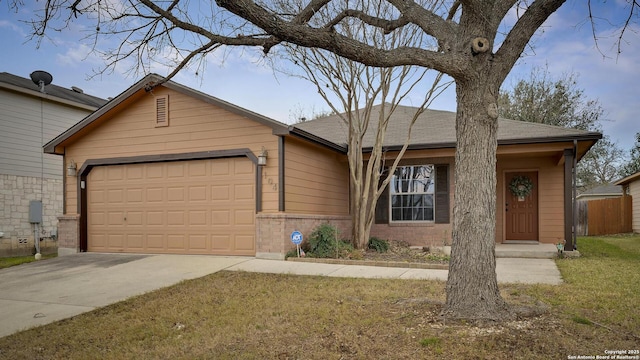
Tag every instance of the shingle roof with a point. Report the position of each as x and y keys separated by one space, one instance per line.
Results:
x=53 y=90
x=436 y=128
x=607 y=189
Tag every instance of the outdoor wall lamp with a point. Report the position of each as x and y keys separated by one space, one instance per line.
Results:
x=72 y=169
x=262 y=158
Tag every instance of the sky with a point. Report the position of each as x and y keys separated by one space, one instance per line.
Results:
x=564 y=45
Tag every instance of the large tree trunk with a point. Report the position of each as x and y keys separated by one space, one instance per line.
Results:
x=472 y=288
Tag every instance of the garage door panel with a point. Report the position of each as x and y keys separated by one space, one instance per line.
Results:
x=134 y=196
x=134 y=218
x=198 y=193
x=220 y=168
x=176 y=242
x=175 y=194
x=115 y=172
x=197 y=218
x=115 y=218
x=175 y=170
x=220 y=192
x=155 y=218
x=198 y=242
x=220 y=242
x=244 y=217
x=243 y=168
x=220 y=218
x=154 y=194
x=191 y=207
x=244 y=242
x=175 y=218
x=115 y=241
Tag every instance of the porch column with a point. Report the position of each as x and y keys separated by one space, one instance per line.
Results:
x=568 y=200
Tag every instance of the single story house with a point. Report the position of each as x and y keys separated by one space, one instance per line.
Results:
x=168 y=169
x=31 y=116
x=631 y=186
x=606 y=191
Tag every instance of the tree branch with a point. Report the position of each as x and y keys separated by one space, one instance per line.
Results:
x=521 y=33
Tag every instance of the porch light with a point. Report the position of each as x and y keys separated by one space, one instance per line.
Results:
x=262 y=158
x=72 y=169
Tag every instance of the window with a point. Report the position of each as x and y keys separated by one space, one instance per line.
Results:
x=411 y=192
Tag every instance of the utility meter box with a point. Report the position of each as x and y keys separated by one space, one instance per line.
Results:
x=35 y=211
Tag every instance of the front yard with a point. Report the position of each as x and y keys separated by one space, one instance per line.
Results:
x=231 y=315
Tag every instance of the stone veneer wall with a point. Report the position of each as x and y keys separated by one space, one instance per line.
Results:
x=69 y=234
x=432 y=235
x=15 y=194
x=273 y=231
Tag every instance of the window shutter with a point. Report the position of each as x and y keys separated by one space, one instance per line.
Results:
x=162 y=111
x=442 y=194
x=382 y=206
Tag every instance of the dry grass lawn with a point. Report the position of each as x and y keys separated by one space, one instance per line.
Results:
x=231 y=315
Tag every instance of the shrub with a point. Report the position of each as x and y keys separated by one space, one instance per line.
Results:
x=291 y=253
x=323 y=243
x=378 y=245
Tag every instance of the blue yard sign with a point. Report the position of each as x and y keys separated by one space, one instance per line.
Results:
x=296 y=237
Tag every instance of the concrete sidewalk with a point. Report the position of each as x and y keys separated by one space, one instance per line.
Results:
x=508 y=270
x=42 y=292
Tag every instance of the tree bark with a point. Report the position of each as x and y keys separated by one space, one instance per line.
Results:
x=472 y=288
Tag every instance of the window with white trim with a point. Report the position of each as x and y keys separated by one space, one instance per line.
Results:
x=412 y=193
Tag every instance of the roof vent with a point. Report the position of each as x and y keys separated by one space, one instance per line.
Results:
x=77 y=89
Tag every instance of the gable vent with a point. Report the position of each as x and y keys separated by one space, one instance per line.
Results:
x=162 y=111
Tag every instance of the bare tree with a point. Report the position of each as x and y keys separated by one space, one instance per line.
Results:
x=633 y=165
x=601 y=165
x=351 y=90
x=552 y=101
x=477 y=45
x=561 y=102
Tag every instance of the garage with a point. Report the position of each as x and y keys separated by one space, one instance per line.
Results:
x=179 y=207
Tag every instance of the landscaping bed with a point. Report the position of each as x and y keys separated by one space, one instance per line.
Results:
x=398 y=254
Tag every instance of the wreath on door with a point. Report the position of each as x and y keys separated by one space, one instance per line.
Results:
x=521 y=186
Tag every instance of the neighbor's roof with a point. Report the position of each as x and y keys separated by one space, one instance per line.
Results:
x=53 y=92
x=146 y=84
x=629 y=179
x=603 y=190
x=436 y=129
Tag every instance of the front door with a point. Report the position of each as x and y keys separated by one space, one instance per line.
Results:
x=521 y=206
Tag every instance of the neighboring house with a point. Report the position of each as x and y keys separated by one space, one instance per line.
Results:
x=606 y=191
x=168 y=169
x=631 y=186
x=28 y=119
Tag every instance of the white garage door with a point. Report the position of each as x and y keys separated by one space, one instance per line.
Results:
x=184 y=207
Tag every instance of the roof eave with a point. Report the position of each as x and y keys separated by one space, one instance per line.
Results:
x=316 y=139
x=628 y=179
x=46 y=96
x=520 y=141
x=145 y=84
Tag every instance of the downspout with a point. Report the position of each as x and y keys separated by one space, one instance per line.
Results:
x=575 y=194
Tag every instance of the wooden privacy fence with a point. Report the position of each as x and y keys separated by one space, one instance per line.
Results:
x=604 y=217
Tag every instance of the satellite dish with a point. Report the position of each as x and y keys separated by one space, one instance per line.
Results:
x=41 y=78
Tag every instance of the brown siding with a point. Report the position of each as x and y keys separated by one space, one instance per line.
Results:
x=194 y=126
x=317 y=180
x=634 y=191
x=550 y=195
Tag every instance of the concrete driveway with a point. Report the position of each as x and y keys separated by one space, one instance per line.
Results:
x=42 y=292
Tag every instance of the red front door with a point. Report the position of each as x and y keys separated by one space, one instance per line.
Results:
x=521 y=212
